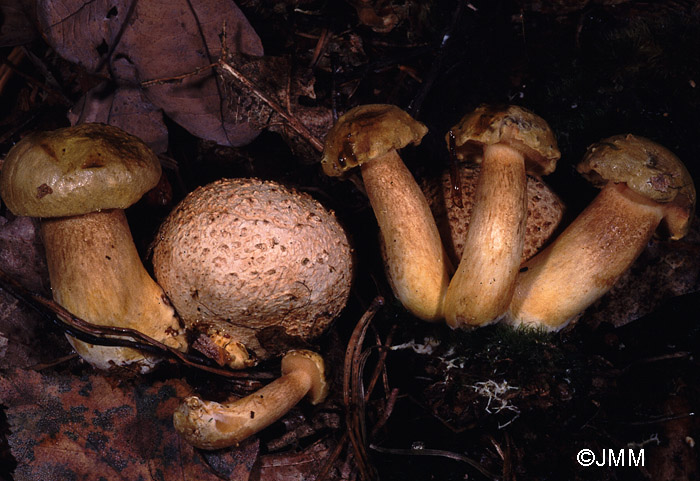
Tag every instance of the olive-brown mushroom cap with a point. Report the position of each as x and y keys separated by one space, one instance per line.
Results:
x=76 y=170
x=544 y=210
x=248 y=254
x=514 y=126
x=312 y=363
x=367 y=132
x=647 y=168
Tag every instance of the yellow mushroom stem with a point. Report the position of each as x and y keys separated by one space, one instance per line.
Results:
x=213 y=425
x=417 y=265
x=96 y=274
x=586 y=260
x=483 y=284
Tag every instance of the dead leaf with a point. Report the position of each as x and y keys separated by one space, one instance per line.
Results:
x=664 y=270
x=161 y=39
x=126 y=108
x=16 y=27
x=291 y=87
x=22 y=254
x=25 y=337
x=93 y=428
x=288 y=466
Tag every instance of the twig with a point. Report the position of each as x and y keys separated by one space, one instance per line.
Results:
x=416 y=104
x=352 y=391
x=437 y=452
x=330 y=460
x=177 y=78
x=380 y=368
x=386 y=413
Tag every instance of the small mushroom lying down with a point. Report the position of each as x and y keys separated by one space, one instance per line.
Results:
x=510 y=142
x=239 y=256
x=644 y=185
x=212 y=425
x=79 y=180
x=369 y=136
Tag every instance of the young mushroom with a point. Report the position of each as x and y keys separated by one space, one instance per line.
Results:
x=370 y=136
x=643 y=185
x=78 y=180
x=212 y=425
x=239 y=258
x=514 y=142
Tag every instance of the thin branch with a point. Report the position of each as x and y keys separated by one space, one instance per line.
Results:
x=178 y=78
x=352 y=391
x=437 y=452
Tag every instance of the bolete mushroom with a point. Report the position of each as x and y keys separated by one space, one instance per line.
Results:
x=369 y=136
x=544 y=210
x=643 y=185
x=240 y=257
x=514 y=142
x=78 y=180
x=212 y=425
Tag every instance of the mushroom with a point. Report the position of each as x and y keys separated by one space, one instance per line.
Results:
x=239 y=258
x=212 y=425
x=514 y=142
x=544 y=210
x=643 y=185
x=417 y=266
x=78 y=180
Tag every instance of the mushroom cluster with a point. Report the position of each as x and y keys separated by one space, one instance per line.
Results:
x=501 y=229
x=79 y=180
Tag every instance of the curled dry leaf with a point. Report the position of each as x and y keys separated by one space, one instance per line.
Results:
x=160 y=39
x=88 y=428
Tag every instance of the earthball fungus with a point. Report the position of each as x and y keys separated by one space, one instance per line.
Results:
x=370 y=136
x=78 y=180
x=509 y=142
x=213 y=425
x=239 y=256
x=643 y=186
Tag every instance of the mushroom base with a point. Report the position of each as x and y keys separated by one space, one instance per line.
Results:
x=586 y=260
x=96 y=273
x=416 y=261
x=481 y=288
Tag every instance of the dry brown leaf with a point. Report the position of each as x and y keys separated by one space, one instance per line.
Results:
x=126 y=108
x=23 y=332
x=16 y=27
x=287 y=466
x=286 y=84
x=161 y=39
x=93 y=428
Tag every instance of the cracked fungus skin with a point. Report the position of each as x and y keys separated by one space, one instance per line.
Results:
x=249 y=254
